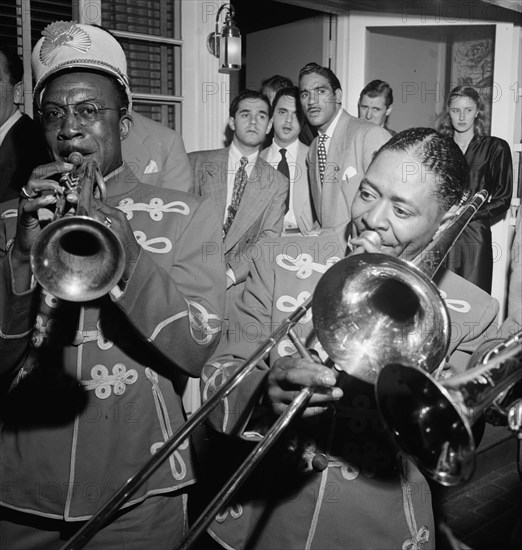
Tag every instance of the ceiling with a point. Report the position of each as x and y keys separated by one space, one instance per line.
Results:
x=256 y=15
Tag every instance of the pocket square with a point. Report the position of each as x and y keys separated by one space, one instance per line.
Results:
x=349 y=173
x=151 y=168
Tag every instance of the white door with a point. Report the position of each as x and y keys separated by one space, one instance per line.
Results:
x=416 y=54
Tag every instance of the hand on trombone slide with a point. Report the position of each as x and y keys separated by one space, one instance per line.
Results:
x=291 y=373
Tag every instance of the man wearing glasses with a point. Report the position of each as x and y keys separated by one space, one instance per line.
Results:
x=93 y=391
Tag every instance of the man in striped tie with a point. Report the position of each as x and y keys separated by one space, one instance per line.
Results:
x=343 y=148
x=248 y=193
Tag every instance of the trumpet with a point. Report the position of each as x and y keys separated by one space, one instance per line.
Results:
x=364 y=272
x=431 y=421
x=76 y=257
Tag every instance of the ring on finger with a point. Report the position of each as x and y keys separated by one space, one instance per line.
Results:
x=25 y=195
x=108 y=221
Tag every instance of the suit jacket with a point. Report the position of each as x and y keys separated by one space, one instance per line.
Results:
x=157 y=155
x=350 y=152
x=365 y=483
x=261 y=210
x=23 y=148
x=301 y=201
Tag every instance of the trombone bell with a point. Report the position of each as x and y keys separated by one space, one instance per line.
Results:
x=374 y=309
x=432 y=421
x=427 y=423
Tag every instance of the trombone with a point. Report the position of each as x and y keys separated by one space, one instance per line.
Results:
x=431 y=421
x=370 y=272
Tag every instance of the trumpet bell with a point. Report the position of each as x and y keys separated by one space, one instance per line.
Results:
x=427 y=423
x=374 y=309
x=77 y=258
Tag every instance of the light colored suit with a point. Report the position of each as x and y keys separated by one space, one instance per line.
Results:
x=301 y=200
x=261 y=210
x=156 y=154
x=350 y=152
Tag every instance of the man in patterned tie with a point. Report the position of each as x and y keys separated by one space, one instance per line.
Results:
x=287 y=121
x=336 y=480
x=349 y=144
x=258 y=207
x=94 y=389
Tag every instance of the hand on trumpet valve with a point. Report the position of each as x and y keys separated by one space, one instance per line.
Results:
x=39 y=192
x=290 y=374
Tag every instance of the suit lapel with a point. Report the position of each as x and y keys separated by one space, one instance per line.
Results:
x=333 y=160
x=300 y=184
x=315 y=181
x=257 y=194
x=135 y=149
x=215 y=177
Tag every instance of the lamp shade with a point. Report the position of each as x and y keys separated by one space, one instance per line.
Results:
x=229 y=47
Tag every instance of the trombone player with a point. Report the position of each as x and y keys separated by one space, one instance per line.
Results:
x=121 y=359
x=337 y=481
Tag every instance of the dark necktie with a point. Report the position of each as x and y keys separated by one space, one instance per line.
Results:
x=240 y=182
x=283 y=164
x=321 y=155
x=285 y=170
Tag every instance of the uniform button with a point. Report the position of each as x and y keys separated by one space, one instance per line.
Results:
x=319 y=462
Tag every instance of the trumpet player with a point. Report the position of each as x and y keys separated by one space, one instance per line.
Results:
x=337 y=481
x=121 y=358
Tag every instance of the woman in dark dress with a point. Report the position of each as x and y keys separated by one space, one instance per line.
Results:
x=490 y=168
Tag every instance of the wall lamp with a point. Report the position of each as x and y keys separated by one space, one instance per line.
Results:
x=226 y=44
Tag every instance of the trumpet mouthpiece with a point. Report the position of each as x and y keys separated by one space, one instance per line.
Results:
x=75 y=158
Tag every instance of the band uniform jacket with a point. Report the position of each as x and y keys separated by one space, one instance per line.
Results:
x=302 y=201
x=22 y=149
x=336 y=481
x=350 y=152
x=157 y=155
x=261 y=210
x=102 y=396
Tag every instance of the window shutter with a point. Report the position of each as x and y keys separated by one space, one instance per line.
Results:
x=150 y=34
x=44 y=12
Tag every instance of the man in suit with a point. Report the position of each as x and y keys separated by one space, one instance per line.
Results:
x=157 y=155
x=376 y=103
x=343 y=149
x=21 y=143
x=260 y=209
x=286 y=123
